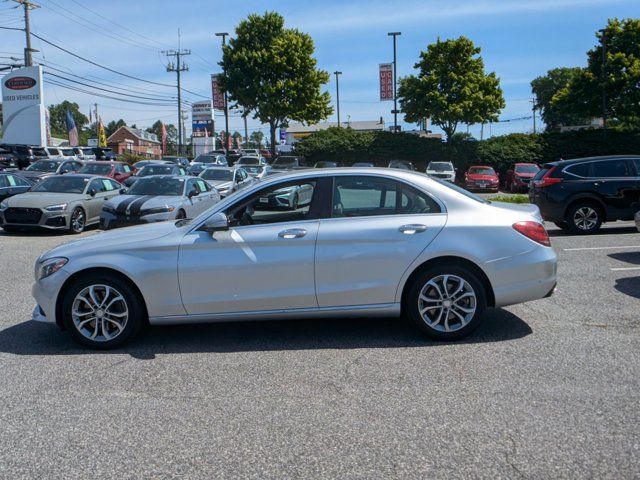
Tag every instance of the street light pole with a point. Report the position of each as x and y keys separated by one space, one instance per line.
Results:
x=336 y=73
x=226 y=107
x=395 y=91
x=603 y=79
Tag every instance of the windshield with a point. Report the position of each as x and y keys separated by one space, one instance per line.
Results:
x=254 y=169
x=217 y=174
x=43 y=166
x=96 y=169
x=87 y=151
x=205 y=159
x=67 y=152
x=61 y=185
x=482 y=171
x=440 y=166
x=248 y=161
x=157 y=186
x=527 y=168
x=149 y=170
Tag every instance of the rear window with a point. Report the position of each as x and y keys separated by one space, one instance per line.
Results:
x=542 y=172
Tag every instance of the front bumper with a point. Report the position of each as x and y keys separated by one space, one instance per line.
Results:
x=43 y=219
x=492 y=187
x=45 y=292
x=110 y=220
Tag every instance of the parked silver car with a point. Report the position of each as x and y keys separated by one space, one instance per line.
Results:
x=372 y=242
x=158 y=198
x=59 y=202
x=227 y=180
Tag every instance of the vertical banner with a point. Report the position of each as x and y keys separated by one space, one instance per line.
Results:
x=216 y=93
x=386 y=81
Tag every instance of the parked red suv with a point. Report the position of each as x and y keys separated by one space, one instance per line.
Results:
x=519 y=176
x=479 y=177
x=119 y=171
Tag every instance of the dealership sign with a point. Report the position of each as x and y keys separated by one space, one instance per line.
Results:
x=202 y=118
x=386 y=81
x=23 y=109
x=216 y=93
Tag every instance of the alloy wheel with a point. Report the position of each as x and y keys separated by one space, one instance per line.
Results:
x=77 y=220
x=585 y=218
x=447 y=303
x=99 y=313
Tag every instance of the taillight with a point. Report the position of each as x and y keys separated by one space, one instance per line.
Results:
x=547 y=180
x=534 y=231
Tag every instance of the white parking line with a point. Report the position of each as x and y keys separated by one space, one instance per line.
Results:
x=599 y=248
x=624 y=269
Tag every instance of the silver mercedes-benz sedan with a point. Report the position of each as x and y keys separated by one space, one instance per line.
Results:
x=371 y=242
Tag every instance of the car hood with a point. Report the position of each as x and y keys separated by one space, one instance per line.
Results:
x=480 y=176
x=43 y=199
x=114 y=240
x=132 y=204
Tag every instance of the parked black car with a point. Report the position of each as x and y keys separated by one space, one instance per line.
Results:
x=12 y=184
x=103 y=153
x=16 y=156
x=579 y=195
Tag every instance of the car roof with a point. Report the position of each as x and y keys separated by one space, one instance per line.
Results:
x=222 y=167
x=103 y=162
x=590 y=159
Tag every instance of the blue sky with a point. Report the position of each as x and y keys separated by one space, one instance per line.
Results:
x=519 y=40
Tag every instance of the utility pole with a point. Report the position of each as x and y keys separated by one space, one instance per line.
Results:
x=28 y=5
x=336 y=73
x=178 y=67
x=395 y=91
x=246 y=130
x=533 y=109
x=603 y=79
x=224 y=36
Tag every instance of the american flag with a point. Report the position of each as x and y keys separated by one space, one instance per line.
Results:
x=73 y=131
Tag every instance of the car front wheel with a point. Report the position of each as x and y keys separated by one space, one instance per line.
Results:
x=102 y=312
x=77 y=221
x=446 y=302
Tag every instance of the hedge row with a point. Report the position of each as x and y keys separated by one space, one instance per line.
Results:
x=347 y=146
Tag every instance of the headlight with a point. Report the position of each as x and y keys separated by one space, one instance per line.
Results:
x=56 y=208
x=50 y=266
x=151 y=211
x=4 y=205
x=108 y=209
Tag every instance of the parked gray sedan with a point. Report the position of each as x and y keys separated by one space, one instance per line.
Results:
x=60 y=202
x=227 y=180
x=372 y=242
x=159 y=198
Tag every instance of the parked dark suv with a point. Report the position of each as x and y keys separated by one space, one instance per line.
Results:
x=579 y=195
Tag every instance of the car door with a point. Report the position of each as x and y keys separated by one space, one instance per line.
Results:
x=264 y=262
x=206 y=196
x=378 y=227
x=103 y=191
x=615 y=181
x=191 y=204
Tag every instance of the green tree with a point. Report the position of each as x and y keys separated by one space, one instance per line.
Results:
x=451 y=87
x=545 y=88
x=270 y=70
x=58 y=118
x=620 y=77
x=256 y=138
x=113 y=125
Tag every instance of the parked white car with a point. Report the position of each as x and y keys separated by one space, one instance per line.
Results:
x=442 y=170
x=370 y=243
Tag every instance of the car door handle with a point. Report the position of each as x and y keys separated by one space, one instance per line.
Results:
x=412 y=228
x=293 y=233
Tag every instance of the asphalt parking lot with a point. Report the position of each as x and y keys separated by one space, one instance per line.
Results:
x=546 y=389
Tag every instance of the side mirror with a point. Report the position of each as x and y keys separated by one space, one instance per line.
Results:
x=193 y=193
x=217 y=222
x=64 y=170
x=123 y=191
x=92 y=192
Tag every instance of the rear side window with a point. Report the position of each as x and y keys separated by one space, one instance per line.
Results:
x=636 y=162
x=610 y=169
x=579 y=169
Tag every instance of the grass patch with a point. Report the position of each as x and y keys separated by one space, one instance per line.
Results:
x=517 y=198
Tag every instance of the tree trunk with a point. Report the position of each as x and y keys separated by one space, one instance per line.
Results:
x=272 y=132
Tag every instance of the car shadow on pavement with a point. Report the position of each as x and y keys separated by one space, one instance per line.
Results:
x=33 y=338
x=556 y=232
x=629 y=286
x=627 y=257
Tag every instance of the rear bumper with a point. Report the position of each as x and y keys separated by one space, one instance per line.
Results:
x=529 y=276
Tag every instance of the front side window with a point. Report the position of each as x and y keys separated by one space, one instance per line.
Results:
x=281 y=203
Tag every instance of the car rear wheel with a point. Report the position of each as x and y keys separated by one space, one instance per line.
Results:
x=446 y=302
x=583 y=218
x=561 y=225
x=77 y=221
x=102 y=312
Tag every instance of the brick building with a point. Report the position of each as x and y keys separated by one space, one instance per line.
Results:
x=136 y=141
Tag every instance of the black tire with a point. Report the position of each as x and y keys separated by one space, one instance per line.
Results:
x=411 y=307
x=132 y=301
x=181 y=214
x=583 y=218
x=561 y=225
x=77 y=227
